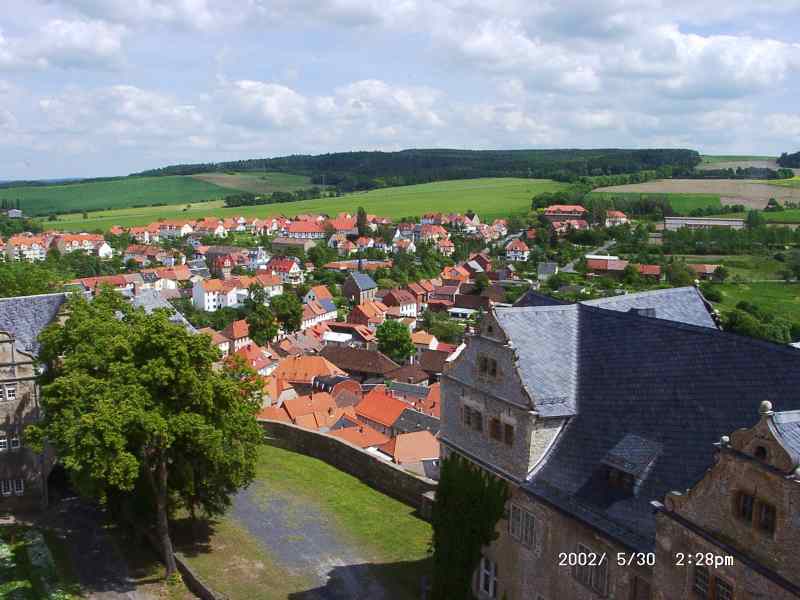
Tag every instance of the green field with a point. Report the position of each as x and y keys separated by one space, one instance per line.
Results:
x=745 y=267
x=790 y=216
x=129 y=192
x=391 y=541
x=682 y=204
x=780 y=299
x=794 y=182
x=712 y=159
x=490 y=197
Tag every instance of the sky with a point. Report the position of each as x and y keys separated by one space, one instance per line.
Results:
x=108 y=87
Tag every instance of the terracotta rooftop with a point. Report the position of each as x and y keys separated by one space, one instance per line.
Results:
x=303 y=369
x=380 y=407
x=362 y=436
x=412 y=447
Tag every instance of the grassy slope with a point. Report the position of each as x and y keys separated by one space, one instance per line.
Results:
x=140 y=191
x=794 y=182
x=781 y=299
x=681 y=203
x=490 y=198
x=118 y=193
x=385 y=531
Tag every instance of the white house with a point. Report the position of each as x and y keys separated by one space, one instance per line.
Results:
x=212 y=294
x=615 y=218
x=517 y=251
x=26 y=247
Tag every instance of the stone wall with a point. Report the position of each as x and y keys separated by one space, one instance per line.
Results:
x=384 y=476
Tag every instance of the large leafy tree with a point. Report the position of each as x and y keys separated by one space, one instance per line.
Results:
x=133 y=406
x=289 y=311
x=394 y=340
x=261 y=320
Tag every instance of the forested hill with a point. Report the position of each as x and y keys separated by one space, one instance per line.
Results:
x=365 y=170
x=790 y=160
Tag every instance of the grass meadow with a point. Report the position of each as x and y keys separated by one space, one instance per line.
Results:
x=682 y=204
x=780 y=299
x=490 y=197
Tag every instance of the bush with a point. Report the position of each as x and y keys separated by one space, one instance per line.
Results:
x=712 y=293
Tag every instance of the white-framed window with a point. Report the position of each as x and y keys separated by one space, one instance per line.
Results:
x=19 y=487
x=5 y=487
x=487 y=584
x=522 y=525
x=11 y=393
x=3 y=441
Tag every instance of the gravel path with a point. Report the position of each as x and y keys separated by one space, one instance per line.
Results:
x=303 y=541
x=100 y=569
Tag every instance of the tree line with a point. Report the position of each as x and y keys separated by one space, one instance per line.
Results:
x=354 y=171
x=741 y=173
x=248 y=199
x=790 y=161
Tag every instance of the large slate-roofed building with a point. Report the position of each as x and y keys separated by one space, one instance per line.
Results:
x=593 y=412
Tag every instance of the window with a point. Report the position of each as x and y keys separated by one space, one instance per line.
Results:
x=19 y=487
x=515 y=522
x=593 y=576
x=508 y=434
x=492 y=368
x=15 y=443
x=483 y=365
x=766 y=517
x=529 y=529
x=494 y=429
x=701 y=585
x=11 y=393
x=744 y=507
x=487 y=367
x=3 y=441
x=722 y=589
x=488 y=578
x=5 y=487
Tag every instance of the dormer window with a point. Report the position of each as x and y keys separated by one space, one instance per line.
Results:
x=628 y=463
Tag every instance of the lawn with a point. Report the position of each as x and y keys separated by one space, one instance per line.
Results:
x=780 y=299
x=682 y=204
x=127 y=192
x=788 y=216
x=313 y=499
x=49 y=576
x=746 y=267
x=490 y=197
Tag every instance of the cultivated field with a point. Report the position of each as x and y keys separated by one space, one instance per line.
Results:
x=256 y=182
x=731 y=191
x=129 y=192
x=490 y=197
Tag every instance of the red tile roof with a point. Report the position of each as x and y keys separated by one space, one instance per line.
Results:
x=362 y=436
x=380 y=407
x=412 y=447
x=237 y=330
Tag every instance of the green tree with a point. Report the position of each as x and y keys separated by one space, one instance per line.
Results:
x=18 y=278
x=133 y=406
x=289 y=311
x=361 y=221
x=721 y=273
x=679 y=275
x=631 y=275
x=754 y=219
x=481 y=282
x=262 y=322
x=469 y=504
x=394 y=340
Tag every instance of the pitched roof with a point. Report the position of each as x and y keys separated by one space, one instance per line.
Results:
x=359 y=360
x=380 y=407
x=413 y=420
x=649 y=394
x=408 y=374
x=362 y=436
x=152 y=300
x=432 y=361
x=236 y=330
x=412 y=447
x=24 y=317
x=303 y=369
x=684 y=304
x=517 y=245
x=318 y=402
x=321 y=292
x=363 y=281
x=397 y=297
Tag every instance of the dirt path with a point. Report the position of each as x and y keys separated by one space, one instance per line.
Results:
x=303 y=541
x=752 y=194
x=101 y=570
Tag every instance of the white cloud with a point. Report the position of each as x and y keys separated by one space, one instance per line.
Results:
x=260 y=103
x=77 y=43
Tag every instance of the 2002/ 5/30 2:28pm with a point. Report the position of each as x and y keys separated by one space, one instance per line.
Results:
x=643 y=559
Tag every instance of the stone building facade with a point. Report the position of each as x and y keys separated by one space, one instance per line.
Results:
x=597 y=417
x=22 y=480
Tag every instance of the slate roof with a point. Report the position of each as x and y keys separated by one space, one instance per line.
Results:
x=684 y=304
x=786 y=426
x=412 y=420
x=24 y=317
x=649 y=395
x=151 y=300
x=363 y=281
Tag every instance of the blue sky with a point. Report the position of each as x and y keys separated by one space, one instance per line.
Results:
x=108 y=87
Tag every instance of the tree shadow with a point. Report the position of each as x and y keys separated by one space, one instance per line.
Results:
x=192 y=537
x=405 y=580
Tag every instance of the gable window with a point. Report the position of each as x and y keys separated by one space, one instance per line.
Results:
x=515 y=522
x=709 y=587
x=487 y=367
x=473 y=419
x=508 y=434
x=488 y=578
x=593 y=575
x=495 y=429
x=755 y=512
